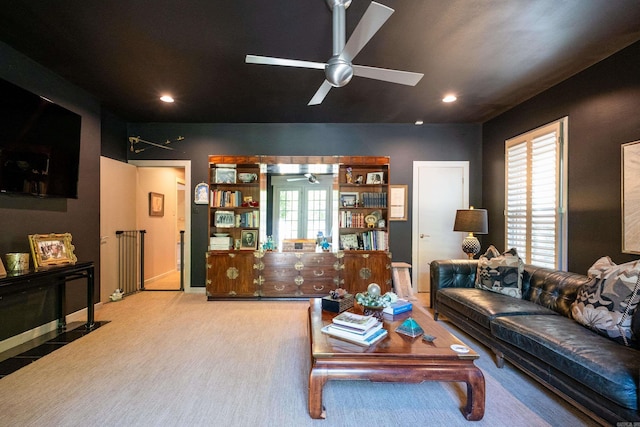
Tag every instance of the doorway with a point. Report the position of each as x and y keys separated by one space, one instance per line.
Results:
x=439 y=189
x=163 y=266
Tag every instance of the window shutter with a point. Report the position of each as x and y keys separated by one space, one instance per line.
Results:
x=533 y=195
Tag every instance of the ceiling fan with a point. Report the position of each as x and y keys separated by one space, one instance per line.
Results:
x=338 y=69
x=307 y=176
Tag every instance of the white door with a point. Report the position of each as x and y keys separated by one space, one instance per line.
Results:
x=439 y=189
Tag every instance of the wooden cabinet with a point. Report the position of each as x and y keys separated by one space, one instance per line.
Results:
x=297 y=274
x=363 y=216
x=230 y=274
x=238 y=207
x=364 y=267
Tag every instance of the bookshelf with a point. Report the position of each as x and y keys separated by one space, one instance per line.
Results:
x=234 y=201
x=363 y=213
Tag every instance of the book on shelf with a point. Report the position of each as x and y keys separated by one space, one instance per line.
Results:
x=354 y=320
x=398 y=307
x=376 y=336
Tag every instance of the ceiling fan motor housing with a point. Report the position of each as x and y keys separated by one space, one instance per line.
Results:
x=338 y=71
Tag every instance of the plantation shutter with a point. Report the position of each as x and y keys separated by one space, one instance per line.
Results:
x=534 y=205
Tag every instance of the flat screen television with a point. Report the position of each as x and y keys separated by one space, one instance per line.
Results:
x=39 y=145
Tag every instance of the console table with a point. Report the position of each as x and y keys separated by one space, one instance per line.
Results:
x=56 y=276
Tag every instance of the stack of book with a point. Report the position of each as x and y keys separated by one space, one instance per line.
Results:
x=356 y=328
x=398 y=307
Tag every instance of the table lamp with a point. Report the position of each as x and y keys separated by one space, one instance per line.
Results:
x=471 y=221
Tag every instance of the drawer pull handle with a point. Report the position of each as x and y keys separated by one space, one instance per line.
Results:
x=318 y=274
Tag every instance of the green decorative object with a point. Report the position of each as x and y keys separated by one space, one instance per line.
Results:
x=410 y=328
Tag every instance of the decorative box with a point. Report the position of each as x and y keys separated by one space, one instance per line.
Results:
x=299 y=245
x=337 y=305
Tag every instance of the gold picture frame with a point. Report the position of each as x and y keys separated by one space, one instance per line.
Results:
x=51 y=249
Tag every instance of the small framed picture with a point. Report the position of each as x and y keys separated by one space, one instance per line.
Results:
x=224 y=219
x=349 y=200
x=225 y=176
x=375 y=178
x=201 y=194
x=156 y=204
x=249 y=239
x=51 y=249
x=349 y=241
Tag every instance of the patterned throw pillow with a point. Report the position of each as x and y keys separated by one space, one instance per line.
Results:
x=609 y=301
x=500 y=272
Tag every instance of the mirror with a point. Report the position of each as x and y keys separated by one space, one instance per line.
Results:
x=301 y=201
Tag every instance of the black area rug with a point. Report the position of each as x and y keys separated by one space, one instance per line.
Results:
x=21 y=360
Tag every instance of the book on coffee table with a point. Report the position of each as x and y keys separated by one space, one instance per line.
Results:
x=376 y=335
x=354 y=320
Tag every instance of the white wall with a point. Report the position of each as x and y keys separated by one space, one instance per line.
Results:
x=117 y=212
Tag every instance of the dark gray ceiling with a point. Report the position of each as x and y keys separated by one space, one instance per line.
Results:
x=492 y=53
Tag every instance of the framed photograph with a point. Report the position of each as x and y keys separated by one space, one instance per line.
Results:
x=631 y=197
x=224 y=219
x=201 y=194
x=349 y=200
x=51 y=249
x=225 y=176
x=349 y=241
x=398 y=202
x=156 y=204
x=375 y=178
x=249 y=240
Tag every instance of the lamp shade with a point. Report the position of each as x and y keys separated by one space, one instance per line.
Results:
x=471 y=221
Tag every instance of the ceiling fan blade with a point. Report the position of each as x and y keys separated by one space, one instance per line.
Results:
x=374 y=17
x=269 y=60
x=322 y=91
x=394 y=76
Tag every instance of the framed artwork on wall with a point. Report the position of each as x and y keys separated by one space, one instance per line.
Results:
x=201 y=194
x=631 y=197
x=156 y=204
x=398 y=202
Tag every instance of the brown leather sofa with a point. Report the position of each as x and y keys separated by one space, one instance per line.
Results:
x=537 y=335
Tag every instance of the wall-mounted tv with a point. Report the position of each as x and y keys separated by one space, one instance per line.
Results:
x=39 y=145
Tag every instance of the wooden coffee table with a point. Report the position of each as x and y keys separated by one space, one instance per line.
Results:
x=396 y=358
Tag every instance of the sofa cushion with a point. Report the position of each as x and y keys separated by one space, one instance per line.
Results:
x=500 y=273
x=597 y=362
x=607 y=304
x=554 y=289
x=482 y=306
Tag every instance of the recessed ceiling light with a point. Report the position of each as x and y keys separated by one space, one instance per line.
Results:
x=449 y=98
x=166 y=98
x=419 y=122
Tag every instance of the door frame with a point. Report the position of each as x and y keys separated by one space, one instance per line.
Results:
x=415 y=238
x=186 y=164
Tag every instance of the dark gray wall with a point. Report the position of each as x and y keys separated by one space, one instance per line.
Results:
x=21 y=216
x=403 y=143
x=113 y=131
x=602 y=104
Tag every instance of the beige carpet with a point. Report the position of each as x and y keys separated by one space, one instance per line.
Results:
x=174 y=359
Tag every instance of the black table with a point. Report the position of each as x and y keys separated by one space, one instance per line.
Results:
x=56 y=276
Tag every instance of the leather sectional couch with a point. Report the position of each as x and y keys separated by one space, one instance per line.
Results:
x=538 y=335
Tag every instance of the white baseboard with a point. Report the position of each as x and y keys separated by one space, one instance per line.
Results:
x=16 y=340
